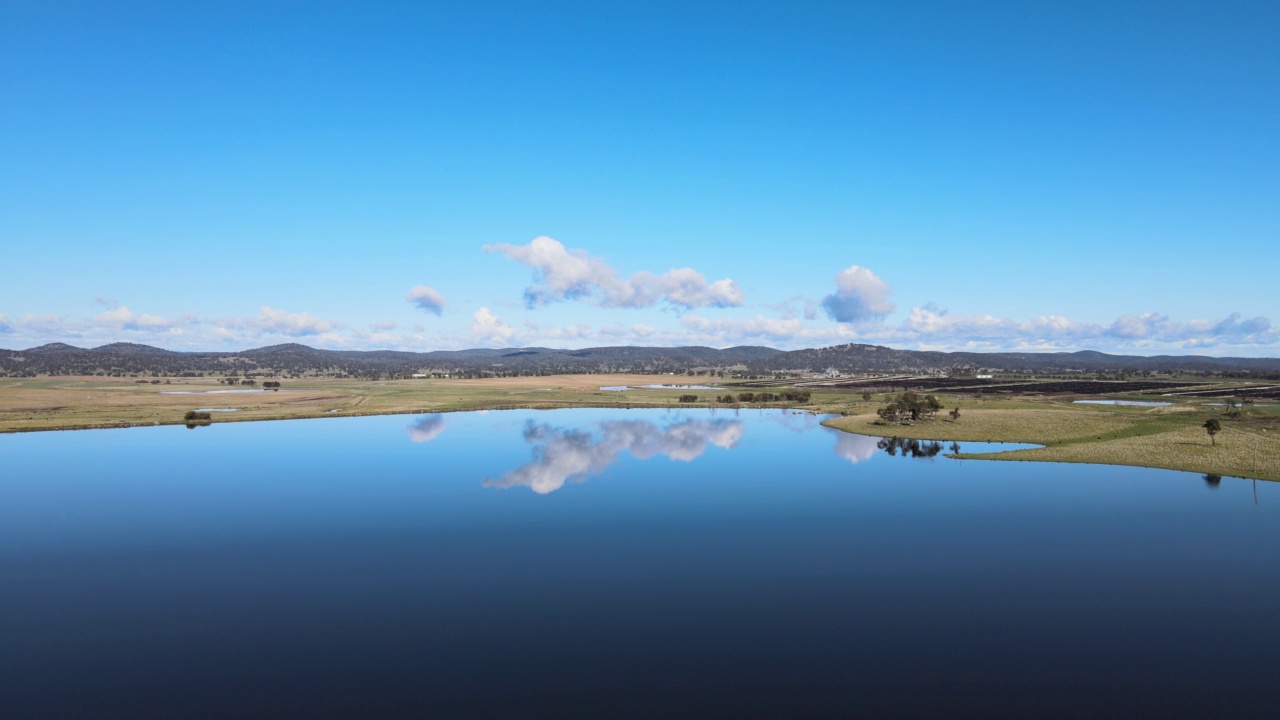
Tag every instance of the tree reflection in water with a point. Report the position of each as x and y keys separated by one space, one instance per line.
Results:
x=909 y=447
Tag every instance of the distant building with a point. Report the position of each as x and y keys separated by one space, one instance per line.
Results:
x=832 y=373
x=983 y=377
x=419 y=376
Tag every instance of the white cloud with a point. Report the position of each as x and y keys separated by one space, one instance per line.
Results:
x=299 y=324
x=425 y=298
x=759 y=328
x=1148 y=331
x=860 y=295
x=5 y=325
x=123 y=318
x=487 y=327
x=383 y=326
x=564 y=274
x=1132 y=327
x=564 y=455
x=1232 y=327
x=930 y=321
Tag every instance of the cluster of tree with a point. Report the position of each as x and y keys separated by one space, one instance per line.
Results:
x=194 y=419
x=688 y=398
x=911 y=406
x=271 y=384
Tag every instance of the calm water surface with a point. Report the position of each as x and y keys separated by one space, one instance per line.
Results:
x=1132 y=403
x=598 y=563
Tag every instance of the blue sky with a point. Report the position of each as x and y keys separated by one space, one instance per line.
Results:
x=940 y=175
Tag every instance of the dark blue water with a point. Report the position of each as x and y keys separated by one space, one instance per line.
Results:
x=602 y=563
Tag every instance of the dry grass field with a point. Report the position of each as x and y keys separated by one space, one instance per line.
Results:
x=63 y=403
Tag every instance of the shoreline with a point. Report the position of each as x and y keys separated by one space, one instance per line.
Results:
x=1169 y=438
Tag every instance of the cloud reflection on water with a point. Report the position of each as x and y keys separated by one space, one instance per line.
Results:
x=855 y=448
x=426 y=429
x=561 y=455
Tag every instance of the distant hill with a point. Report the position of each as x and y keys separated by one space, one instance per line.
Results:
x=294 y=358
x=130 y=358
x=875 y=358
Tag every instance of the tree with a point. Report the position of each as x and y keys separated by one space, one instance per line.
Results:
x=955 y=414
x=888 y=413
x=932 y=405
x=1212 y=426
x=866 y=396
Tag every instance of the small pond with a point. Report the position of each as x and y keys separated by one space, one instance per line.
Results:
x=219 y=392
x=620 y=388
x=1129 y=403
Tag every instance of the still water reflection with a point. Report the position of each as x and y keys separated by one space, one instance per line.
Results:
x=592 y=563
x=563 y=454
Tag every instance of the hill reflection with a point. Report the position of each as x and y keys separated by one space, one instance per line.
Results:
x=563 y=455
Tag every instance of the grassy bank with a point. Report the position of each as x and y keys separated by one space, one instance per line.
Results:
x=1171 y=438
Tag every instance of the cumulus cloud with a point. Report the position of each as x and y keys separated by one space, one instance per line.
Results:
x=860 y=295
x=487 y=327
x=5 y=325
x=123 y=318
x=931 y=321
x=425 y=298
x=1231 y=326
x=1138 y=326
x=759 y=328
x=1147 y=330
x=426 y=429
x=564 y=274
x=572 y=455
x=299 y=324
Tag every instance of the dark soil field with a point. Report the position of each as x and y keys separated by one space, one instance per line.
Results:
x=1053 y=387
x=1086 y=387
x=1271 y=392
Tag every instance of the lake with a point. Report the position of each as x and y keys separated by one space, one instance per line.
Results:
x=605 y=563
